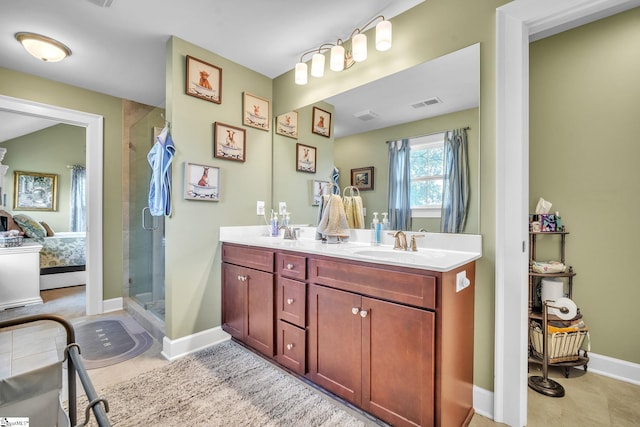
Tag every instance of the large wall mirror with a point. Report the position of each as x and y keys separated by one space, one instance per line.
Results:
x=433 y=97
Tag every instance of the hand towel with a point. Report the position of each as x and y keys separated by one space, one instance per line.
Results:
x=334 y=219
x=358 y=212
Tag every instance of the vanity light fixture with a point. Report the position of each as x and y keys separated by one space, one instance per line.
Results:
x=341 y=58
x=43 y=47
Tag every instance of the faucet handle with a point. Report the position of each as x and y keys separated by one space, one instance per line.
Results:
x=414 y=247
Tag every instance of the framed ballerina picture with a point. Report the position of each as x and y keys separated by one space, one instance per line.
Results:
x=201 y=182
x=287 y=124
x=204 y=80
x=229 y=142
x=255 y=111
x=321 y=122
x=305 y=158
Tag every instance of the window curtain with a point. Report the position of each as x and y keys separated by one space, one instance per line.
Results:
x=399 y=185
x=78 y=199
x=455 y=198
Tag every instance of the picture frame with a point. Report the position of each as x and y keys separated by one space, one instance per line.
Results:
x=305 y=158
x=321 y=122
x=318 y=189
x=203 y=80
x=229 y=142
x=362 y=178
x=287 y=124
x=34 y=191
x=201 y=182
x=256 y=111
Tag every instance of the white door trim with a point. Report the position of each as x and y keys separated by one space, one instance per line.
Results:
x=517 y=23
x=94 y=144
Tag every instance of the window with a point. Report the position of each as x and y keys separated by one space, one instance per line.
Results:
x=427 y=170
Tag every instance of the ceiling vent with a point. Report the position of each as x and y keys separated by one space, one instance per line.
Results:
x=366 y=115
x=102 y=3
x=427 y=102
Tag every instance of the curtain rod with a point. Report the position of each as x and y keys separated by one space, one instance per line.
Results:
x=428 y=134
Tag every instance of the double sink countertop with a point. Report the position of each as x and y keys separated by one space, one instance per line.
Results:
x=436 y=251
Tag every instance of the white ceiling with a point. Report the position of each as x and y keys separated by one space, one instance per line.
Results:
x=120 y=50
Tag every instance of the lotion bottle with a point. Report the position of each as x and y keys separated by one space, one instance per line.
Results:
x=375 y=230
x=274 y=224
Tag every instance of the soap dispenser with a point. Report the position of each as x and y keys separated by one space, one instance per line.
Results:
x=375 y=230
x=385 y=221
x=274 y=224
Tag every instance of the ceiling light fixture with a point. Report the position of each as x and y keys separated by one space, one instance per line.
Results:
x=341 y=58
x=43 y=47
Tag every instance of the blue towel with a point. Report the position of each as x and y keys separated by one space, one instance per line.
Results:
x=160 y=157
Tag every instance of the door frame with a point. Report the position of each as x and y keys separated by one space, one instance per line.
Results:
x=94 y=156
x=517 y=24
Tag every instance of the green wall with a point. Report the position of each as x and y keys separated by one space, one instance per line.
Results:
x=584 y=149
x=25 y=86
x=47 y=151
x=371 y=149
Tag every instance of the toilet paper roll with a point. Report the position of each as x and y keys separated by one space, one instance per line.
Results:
x=571 y=308
x=552 y=289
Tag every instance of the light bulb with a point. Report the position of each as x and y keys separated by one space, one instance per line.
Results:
x=383 y=36
x=359 y=46
x=336 y=62
x=301 y=73
x=317 y=65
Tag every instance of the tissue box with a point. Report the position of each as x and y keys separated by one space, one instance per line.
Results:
x=547 y=222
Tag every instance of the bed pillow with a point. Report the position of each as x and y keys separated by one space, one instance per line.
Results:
x=47 y=228
x=31 y=227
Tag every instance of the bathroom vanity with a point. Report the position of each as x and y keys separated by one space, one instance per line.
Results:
x=388 y=331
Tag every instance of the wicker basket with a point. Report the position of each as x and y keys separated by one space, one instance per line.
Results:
x=563 y=346
x=10 y=242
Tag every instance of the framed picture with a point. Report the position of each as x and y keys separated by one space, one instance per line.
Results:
x=362 y=178
x=35 y=191
x=204 y=80
x=319 y=189
x=256 y=111
x=305 y=158
x=287 y=124
x=201 y=182
x=229 y=142
x=321 y=122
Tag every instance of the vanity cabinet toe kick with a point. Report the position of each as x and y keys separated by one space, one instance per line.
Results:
x=396 y=342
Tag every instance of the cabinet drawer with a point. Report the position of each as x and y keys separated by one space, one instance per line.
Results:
x=248 y=256
x=292 y=266
x=291 y=302
x=292 y=348
x=409 y=288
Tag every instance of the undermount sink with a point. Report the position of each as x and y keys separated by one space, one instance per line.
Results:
x=399 y=255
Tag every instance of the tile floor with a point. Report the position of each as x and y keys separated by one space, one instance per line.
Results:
x=590 y=400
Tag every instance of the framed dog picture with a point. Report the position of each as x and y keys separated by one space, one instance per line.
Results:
x=305 y=158
x=321 y=122
x=204 y=80
x=229 y=142
x=256 y=111
x=287 y=124
x=201 y=182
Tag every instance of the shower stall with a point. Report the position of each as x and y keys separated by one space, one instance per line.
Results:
x=144 y=262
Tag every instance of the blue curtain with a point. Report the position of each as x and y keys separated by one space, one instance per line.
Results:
x=399 y=185
x=78 y=199
x=455 y=198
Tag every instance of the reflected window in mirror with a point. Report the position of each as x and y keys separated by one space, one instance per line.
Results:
x=427 y=175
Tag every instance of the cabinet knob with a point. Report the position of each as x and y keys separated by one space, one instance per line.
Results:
x=355 y=310
x=290 y=266
x=363 y=313
x=290 y=346
x=290 y=301
x=242 y=278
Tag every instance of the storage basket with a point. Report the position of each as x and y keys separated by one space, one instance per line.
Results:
x=563 y=346
x=10 y=242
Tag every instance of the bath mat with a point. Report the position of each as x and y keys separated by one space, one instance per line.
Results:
x=106 y=341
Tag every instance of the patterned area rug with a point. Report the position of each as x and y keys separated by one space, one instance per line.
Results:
x=223 y=385
x=109 y=340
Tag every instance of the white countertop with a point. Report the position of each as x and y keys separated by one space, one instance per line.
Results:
x=436 y=251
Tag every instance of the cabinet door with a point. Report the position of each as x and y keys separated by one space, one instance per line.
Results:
x=234 y=291
x=398 y=363
x=335 y=344
x=259 y=332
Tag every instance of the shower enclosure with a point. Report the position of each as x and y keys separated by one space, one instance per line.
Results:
x=145 y=256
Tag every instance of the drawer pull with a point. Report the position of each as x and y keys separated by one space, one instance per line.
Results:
x=355 y=310
x=290 y=301
x=290 y=266
x=363 y=313
x=290 y=346
x=242 y=278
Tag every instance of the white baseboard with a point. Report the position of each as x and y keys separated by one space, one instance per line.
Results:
x=113 y=304
x=622 y=370
x=175 y=349
x=483 y=402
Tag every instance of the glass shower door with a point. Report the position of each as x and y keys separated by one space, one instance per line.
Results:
x=146 y=233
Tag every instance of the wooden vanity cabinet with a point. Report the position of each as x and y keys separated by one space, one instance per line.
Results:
x=248 y=296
